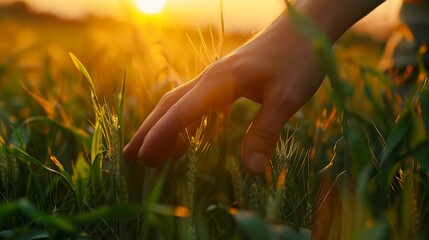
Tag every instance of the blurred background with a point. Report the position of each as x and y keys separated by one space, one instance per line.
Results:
x=47 y=118
x=157 y=44
x=241 y=15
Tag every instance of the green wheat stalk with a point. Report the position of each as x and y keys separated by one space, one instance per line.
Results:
x=197 y=148
x=109 y=123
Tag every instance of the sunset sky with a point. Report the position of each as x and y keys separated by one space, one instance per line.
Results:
x=241 y=15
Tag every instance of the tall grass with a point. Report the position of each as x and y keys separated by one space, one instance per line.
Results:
x=343 y=173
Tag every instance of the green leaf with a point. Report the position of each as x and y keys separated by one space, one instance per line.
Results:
x=119 y=106
x=417 y=133
x=108 y=212
x=96 y=176
x=357 y=145
x=97 y=142
x=81 y=173
x=367 y=75
x=424 y=103
x=82 y=69
x=25 y=206
x=23 y=156
x=61 y=169
x=397 y=136
x=21 y=137
x=121 y=97
x=391 y=155
x=159 y=183
x=123 y=210
x=155 y=195
x=27 y=235
x=51 y=221
x=421 y=154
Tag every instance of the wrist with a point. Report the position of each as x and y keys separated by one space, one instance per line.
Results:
x=335 y=17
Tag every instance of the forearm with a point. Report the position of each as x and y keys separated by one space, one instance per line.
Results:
x=336 y=16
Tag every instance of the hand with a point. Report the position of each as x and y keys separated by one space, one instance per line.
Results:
x=277 y=69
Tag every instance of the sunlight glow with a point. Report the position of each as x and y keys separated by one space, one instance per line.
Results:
x=150 y=6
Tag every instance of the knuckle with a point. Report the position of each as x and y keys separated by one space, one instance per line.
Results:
x=224 y=75
x=264 y=135
x=225 y=66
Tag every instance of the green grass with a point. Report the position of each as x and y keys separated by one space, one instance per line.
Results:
x=352 y=164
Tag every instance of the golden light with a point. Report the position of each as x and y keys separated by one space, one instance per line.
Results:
x=181 y=211
x=150 y=6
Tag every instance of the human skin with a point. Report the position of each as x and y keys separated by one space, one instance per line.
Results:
x=277 y=68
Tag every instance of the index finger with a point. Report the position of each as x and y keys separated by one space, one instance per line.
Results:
x=208 y=93
x=131 y=149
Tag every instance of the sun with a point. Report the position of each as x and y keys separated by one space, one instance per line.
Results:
x=150 y=6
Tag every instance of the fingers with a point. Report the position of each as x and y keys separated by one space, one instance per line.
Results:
x=161 y=138
x=260 y=141
x=131 y=150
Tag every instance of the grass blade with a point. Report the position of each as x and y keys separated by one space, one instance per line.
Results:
x=82 y=69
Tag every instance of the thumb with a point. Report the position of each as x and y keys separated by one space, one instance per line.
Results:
x=261 y=138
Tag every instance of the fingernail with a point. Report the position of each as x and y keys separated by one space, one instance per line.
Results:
x=257 y=162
